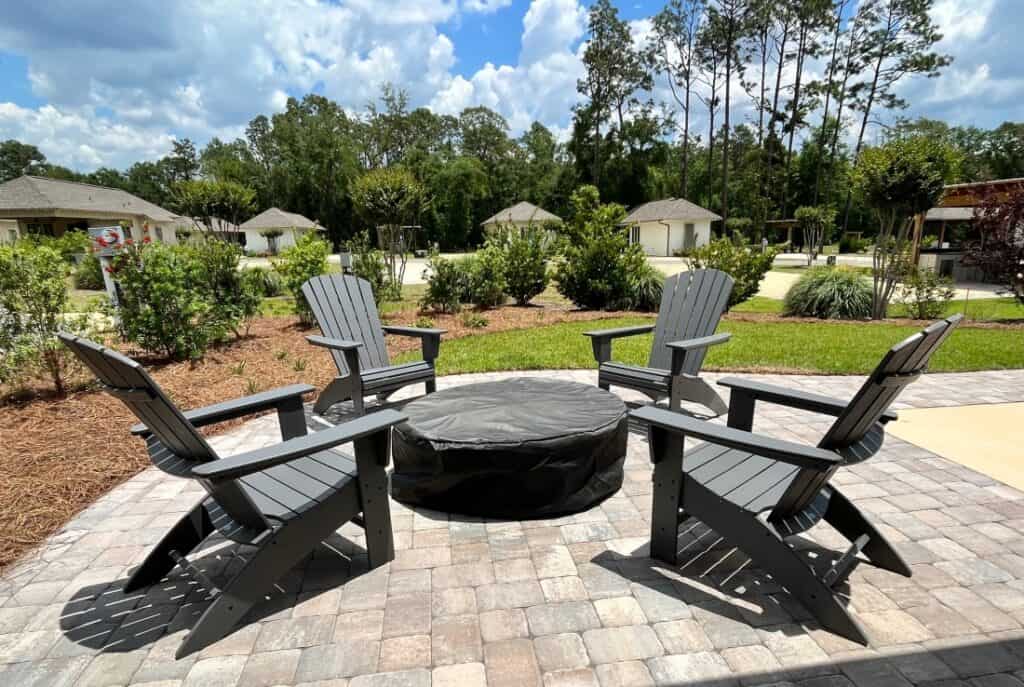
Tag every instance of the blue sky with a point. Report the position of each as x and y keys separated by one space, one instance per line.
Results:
x=93 y=85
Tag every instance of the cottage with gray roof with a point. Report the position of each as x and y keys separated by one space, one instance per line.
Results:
x=520 y=215
x=275 y=229
x=666 y=227
x=52 y=207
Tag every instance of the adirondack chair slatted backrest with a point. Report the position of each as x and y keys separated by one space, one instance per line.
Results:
x=692 y=303
x=180 y=444
x=344 y=309
x=857 y=433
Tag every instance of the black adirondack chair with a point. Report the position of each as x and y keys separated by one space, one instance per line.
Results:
x=347 y=315
x=692 y=303
x=755 y=491
x=283 y=499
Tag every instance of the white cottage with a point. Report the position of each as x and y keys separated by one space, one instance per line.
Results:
x=521 y=216
x=274 y=230
x=663 y=227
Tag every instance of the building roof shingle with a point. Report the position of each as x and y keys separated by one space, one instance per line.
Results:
x=670 y=208
x=522 y=212
x=40 y=194
x=275 y=218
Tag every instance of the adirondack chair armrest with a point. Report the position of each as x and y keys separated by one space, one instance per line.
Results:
x=790 y=452
x=601 y=339
x=752 y=391
x=681 y=348
x=238 y=407
x=430 y=339
x=260 y=459
x=336 y=344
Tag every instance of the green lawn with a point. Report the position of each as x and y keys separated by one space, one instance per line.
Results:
x=978 y=309
x=825 y=347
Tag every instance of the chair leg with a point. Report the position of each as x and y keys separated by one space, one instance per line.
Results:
x=696 y=390
x=340 y=389
x=277 y=552
x=186 y=535
x=372 y=454
x=431 y=385
x=667 y=455
x=769 y=550
x=851 y=523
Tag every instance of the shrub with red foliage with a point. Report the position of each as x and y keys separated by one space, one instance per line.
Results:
x=999 y=253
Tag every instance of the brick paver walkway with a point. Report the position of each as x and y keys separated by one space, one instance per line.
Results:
x=567 y=602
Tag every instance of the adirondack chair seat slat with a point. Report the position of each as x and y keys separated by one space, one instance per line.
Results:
x=752 y=482
x=692 y=304
x=621 y=374
x=756 y=490
x=283 y=500
x=347 y=315
x=400 y=375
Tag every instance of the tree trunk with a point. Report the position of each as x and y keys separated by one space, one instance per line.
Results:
x=775 y=104
x=828 y=99
x=686 y=142
x=860 y=135
x=725 y=141
x=793 y=117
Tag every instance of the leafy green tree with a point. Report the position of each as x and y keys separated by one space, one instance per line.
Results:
x=816 y=223
x=204 y=200
x=17 y=158
x=899 y=42
x=899 y=181
x=390 y=200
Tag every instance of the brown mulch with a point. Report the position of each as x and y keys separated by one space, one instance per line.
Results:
x=60 y=454
x=903 y=322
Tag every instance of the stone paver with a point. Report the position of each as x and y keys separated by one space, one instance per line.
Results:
x=565 y=602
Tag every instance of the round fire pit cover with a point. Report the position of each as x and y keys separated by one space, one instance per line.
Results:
x=518 y=448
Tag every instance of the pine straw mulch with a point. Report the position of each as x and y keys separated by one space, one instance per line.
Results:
x=59 y=455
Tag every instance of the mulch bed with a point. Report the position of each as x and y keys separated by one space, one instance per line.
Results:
x=60 y=455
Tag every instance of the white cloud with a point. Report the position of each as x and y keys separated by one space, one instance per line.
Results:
x=485 y=6
x=119 y=86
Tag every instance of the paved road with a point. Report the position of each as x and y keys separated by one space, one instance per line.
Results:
x=775 y=284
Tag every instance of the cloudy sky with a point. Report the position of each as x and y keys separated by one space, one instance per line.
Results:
x=93 y=85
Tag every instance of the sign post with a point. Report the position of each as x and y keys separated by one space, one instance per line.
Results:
x=107 y=243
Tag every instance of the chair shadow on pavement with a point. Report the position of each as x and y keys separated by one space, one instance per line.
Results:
x=719 y=585
x=105 y=618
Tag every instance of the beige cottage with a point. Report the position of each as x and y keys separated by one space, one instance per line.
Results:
x=290 y=224
x=51 y=207
x=664 y=227
x=521 y=215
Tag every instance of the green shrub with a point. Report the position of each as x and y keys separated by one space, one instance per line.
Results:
x=599 y=269
x=832 y=293
x=266 y=282
x=926 y=293
x=70 y=244
x=746 y=267
x=852 y=244
x=526 y=272
x=33 y=308
x=446 y=285
x=162 y=308
x=300 y=263
x=233 y=297
x=368 y=263
x=646 y=283
x=88 y=274
x=485 y=282
x=474 y=320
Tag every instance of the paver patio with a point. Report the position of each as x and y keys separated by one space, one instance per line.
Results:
x=572 y=601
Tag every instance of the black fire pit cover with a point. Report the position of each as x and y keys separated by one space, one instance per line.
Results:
x=517 y=448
